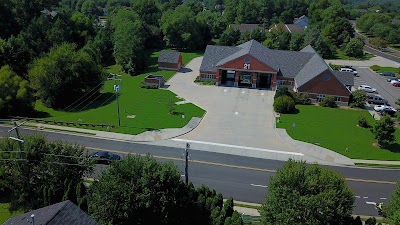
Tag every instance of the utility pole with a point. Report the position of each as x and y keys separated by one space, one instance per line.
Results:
x=18 y=138
x=116 y=89
x=186 y=163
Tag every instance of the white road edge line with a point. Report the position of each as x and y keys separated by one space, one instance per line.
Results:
x=357 y=196
x=237 y=146
x=365 y=197
x=383 y=198
x=258 y=185
x=371 y=203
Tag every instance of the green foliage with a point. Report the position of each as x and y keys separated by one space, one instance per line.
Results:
x=358 y=99
x=329 y=101
x=301 y=98
x=314 y=38
x=229 y=37
x=284 y=104
x=181 y=29
x=129 y=41
x=378 y=42
x=362 y=122
x=354 y=48
x=49 y=173
x=148 y=86
x=334 y=66
x=375 y=68
x=63 y=75
x=307 y=194
x=15 y=97
x=384 y=130
x=282 y=91
x=370 y=221
x=278 y=38
x=141 y=190
x=296 y=42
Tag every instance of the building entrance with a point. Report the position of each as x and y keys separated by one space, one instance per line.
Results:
x=228 y=77
x=245 y=79
x=264 y=80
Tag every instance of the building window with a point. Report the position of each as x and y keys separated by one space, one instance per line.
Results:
x=291 y=83
x=337 y=99
x=320 y=98
x=209 y=76
x=281 y=82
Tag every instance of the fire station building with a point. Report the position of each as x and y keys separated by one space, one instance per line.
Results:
x=253 y=65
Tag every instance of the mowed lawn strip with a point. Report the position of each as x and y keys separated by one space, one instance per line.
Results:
x=149 y=107
x=336 y=129
x=5 y=214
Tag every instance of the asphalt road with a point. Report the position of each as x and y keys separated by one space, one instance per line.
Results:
x=244 y=178
x=384 y=88
x=382 y=54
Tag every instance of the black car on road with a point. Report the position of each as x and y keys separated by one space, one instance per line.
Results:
x=104 y=157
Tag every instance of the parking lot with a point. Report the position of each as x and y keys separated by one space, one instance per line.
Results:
x=383 y=87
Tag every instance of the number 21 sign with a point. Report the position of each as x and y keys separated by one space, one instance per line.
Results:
x=246 y=66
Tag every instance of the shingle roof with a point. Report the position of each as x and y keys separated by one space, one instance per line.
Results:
x=245 y=27
x=169 y=56
x=314 y=67
x=346 y=78
x=294 y=28
x=301 y=18
x=65 y=213
x=303 y=66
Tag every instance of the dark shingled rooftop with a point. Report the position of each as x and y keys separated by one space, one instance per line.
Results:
x=302 y=66
x=63 y=213
x=168 y=57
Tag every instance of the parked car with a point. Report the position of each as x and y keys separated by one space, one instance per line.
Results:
x=387 y=74
x=379 y=108
x=389 y=110
x=392 y=78
x=349 y=69
x=367 y=88
x=104 y=157
x=395 y=83
x=376 y=99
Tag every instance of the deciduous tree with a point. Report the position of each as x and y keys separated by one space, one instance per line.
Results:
x=16 y=98
x=307 y=194
x=63 y=75
x=354 y=48
x=384 y=131
x=229 y=37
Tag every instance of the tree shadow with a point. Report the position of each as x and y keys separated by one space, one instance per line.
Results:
x=185 y=70
x=395 y=147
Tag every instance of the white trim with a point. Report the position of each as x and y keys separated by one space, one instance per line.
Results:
x=323 y=94
x=256 y=71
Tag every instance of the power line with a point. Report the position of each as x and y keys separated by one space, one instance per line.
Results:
x=83 y=96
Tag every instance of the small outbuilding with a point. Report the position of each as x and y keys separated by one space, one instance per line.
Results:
x=170 y=60
x=156 y=80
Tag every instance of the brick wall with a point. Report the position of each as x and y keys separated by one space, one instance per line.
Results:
x=254 y=64
x=168 y=66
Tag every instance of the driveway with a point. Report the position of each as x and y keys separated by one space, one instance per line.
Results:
x=235 y=116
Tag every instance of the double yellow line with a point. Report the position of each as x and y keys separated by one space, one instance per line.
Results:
x=231 y=166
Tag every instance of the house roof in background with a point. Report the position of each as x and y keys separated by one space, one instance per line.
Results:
x=294 y=28
x=301 y=18
x=169 y=57
x=65 y=213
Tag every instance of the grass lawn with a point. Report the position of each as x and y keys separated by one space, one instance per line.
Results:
x=341 y=55
x=337 y=129
x=149 y=107
x=383 y=69
x=5 y=214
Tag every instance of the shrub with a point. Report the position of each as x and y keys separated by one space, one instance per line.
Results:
x=375 y=67
x=284 y=104
x=358 y=99
x=148 y=86
x=362 y=122
x=334 y=66
x=282 y=91
x=329 y=101
x=301 y=98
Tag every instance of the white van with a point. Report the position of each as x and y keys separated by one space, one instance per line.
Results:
x=350 y=70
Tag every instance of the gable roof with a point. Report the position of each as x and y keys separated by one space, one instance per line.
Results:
x=245 y=27
x=300 y=19
x=346 y=78
x=294 y=28
x=169 y=57
x=66 y=213
x=301 y=66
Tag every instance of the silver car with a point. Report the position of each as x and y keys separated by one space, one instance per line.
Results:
x=367 y=88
